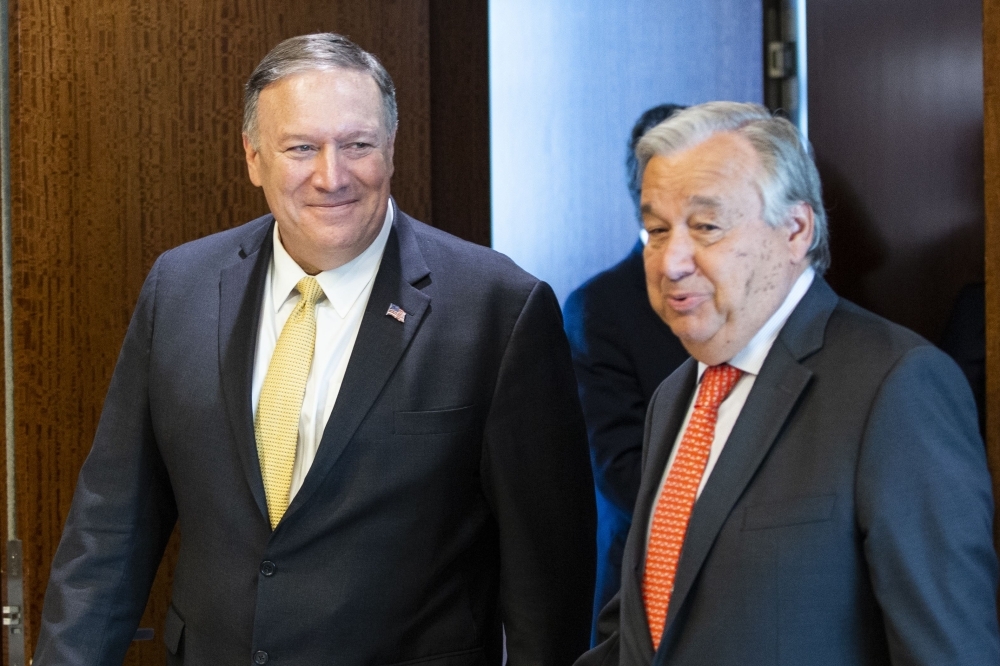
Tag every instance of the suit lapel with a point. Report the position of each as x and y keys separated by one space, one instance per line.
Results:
x=772 y=399
x=241 y=292
x=380 y=345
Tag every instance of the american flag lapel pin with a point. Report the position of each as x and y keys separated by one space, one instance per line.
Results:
x=396 y=313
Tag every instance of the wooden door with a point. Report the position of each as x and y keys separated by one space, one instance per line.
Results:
x=991 y=143
x=896 y=117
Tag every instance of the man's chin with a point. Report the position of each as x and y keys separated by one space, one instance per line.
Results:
x=701 y=343
x=689 y=328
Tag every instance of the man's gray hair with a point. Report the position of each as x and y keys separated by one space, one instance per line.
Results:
x=319 y=52
x=789 y=173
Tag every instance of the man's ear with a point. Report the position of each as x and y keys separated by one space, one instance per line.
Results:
x=800 y=223
x=253 y=157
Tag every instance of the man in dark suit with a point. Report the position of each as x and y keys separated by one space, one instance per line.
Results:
x=622 y=350
x=434 y=490
x=825 y=498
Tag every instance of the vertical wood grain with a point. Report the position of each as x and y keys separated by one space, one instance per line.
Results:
x=460 y=118
x=991 y=147
x=126 y=141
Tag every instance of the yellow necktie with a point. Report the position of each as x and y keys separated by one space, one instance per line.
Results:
x=277 y=422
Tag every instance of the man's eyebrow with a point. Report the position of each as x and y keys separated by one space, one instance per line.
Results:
x=296 y=136
x=361 y=131
x=348 y=135
x=698 y=201
x=705 y=202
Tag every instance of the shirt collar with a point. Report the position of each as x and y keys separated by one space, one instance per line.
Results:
x=342 y=285
x=750 y=359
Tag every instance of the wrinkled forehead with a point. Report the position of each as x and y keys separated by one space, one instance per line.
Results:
x=308 y=83
x=725 y=163
x=728 y=153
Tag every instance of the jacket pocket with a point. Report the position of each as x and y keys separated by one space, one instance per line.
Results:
x=473 y=657
x=433 y=422
x=173 y=630
x=789 y=512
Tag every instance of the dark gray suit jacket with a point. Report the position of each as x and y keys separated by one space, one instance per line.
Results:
x=451 y=490
x=848 y=520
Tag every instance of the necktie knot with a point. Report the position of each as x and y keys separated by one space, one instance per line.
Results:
x=717 y=382
x=310 y=290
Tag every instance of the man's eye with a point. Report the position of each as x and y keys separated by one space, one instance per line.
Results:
x=358 y=145
x=301 y=149
x=657 y=235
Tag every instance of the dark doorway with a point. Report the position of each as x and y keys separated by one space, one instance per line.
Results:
x=895 y=100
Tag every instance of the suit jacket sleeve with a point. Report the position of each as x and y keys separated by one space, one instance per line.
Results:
x=925 y=511
x=612 y=400
x=119 y=522
x=536 y=475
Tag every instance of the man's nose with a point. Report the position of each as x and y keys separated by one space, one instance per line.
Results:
x=678 y=255
x=329 y=173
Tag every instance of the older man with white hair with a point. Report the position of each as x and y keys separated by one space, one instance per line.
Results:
x=815 y=489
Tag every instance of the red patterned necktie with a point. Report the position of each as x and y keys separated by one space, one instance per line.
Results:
x=673 y=510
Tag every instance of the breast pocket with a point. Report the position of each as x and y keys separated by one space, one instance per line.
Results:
x=434 y=422
x=798 y=511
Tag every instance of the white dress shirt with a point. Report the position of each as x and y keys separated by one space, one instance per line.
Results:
x=750 y=360
x=338 y=319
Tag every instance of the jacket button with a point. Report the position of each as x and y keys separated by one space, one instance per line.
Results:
x=267 y=568
x=260 y=657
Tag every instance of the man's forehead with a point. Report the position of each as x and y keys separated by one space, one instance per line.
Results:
x=723 y=159
x=696 y=201
x=723 y=153
x=324 y=98
x=316 y=77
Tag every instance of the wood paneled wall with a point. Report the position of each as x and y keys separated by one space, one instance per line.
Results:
x=991 y=145
x=126 y=141
x=460 y=118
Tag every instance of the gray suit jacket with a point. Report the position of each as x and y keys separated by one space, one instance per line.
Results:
x=848 y=520
x=451 y=490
